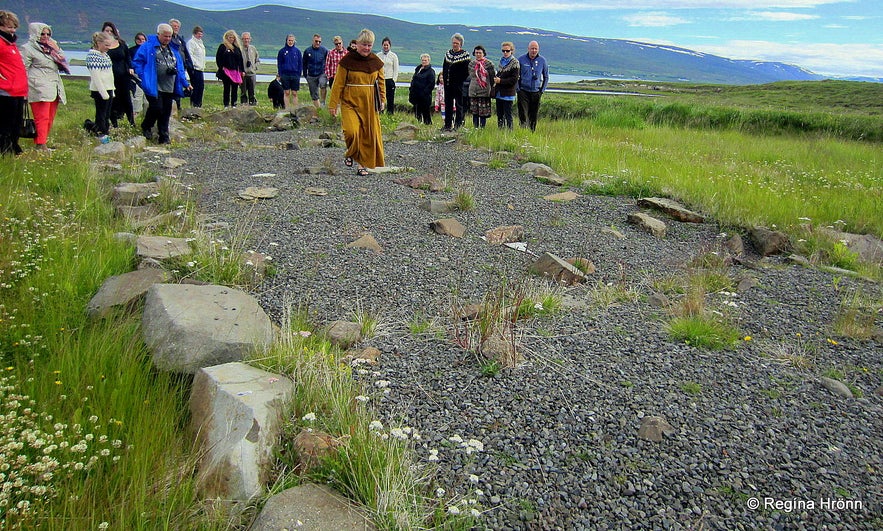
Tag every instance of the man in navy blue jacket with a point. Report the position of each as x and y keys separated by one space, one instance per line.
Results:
x=289 y=64
x=314 y=70
x=531 y=85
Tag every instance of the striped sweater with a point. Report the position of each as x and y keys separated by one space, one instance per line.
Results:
x=100 y=72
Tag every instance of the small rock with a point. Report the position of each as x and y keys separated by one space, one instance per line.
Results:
x=836 y=386
x=448 y=226
x=653 y=428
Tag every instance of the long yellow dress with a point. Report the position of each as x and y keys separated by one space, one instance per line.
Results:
x=353 y=90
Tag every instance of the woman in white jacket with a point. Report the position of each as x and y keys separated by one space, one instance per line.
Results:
x=44 y=61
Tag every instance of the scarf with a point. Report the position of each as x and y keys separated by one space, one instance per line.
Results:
x=481 y=73
x=10 y=38
x=356 y=62
x=504 y=61
x=56 y=56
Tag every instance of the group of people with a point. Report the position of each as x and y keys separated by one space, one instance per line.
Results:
x=155 y=69
x=473 y=82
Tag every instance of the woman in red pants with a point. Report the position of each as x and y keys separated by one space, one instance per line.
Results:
x=44 y=61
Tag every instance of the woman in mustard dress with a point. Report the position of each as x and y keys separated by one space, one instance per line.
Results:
x=359 y=90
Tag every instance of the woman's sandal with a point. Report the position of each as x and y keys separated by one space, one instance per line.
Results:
x=348 y=161
x=362 y=172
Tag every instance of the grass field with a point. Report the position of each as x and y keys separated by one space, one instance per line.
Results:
x=94 y=438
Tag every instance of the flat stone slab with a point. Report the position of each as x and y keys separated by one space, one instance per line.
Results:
x=315 y=190
x=173 y=162
x=672 y=208
x=257 y=192
x=563 y=196
x=161 y=247
x=448 y=226
x=310 y=507
x=437 y=206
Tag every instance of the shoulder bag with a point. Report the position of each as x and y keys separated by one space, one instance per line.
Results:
x=28 y=127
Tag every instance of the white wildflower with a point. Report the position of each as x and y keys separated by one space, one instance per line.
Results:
x=439 y=492
x=453 y=509
x=382 y=383
x=375 y=425
x=455 y=439
x=473 y=478
x=309 y=417
x=363 y=398
x=398 y=433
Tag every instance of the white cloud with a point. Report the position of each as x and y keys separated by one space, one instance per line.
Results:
x=655 y=19
x=821 y=58
x=774 y=16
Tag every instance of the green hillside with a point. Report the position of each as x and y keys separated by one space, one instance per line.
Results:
x=567 y=54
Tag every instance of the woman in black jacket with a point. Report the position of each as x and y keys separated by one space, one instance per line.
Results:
x=505 y=83
x=230 y=67
x=420 y=92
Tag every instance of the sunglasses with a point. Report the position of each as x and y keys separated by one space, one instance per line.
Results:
x=46 y=34
x=506 y=51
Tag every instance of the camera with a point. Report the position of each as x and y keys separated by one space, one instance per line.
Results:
x=171 y=71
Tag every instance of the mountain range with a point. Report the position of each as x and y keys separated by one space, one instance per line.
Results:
x=73 y=21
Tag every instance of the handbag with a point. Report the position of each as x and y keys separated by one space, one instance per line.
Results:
x=28 y=127
x=377 y=102
x=233 y=75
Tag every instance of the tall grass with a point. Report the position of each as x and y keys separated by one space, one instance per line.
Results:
x=741 y=179
x=85 y=382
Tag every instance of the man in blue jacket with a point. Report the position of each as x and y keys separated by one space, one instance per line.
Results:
x=289 y=65
x=314 y=70
x=531 y=85
x=161 y=69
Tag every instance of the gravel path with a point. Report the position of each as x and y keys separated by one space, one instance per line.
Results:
x=554 y=441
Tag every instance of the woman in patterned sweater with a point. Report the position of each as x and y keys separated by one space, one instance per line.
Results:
x=101 y=82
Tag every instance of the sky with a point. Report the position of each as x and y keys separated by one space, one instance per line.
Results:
x=828 y=37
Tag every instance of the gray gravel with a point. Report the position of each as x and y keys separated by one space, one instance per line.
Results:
x=559 y=433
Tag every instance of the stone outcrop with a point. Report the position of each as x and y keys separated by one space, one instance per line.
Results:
x=188 y=327
x=558 y=269
x=768 y=242
x=344 y=333
x=310 y=506
x=129 y=194
x=366 y=241
x=543 y=173
x=672 y=208
x=236 y=417
x=504 y=234
x=122 y=291
x=648 y=223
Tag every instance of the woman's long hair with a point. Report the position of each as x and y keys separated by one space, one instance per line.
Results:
x=229 y=46
x=113 y=28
